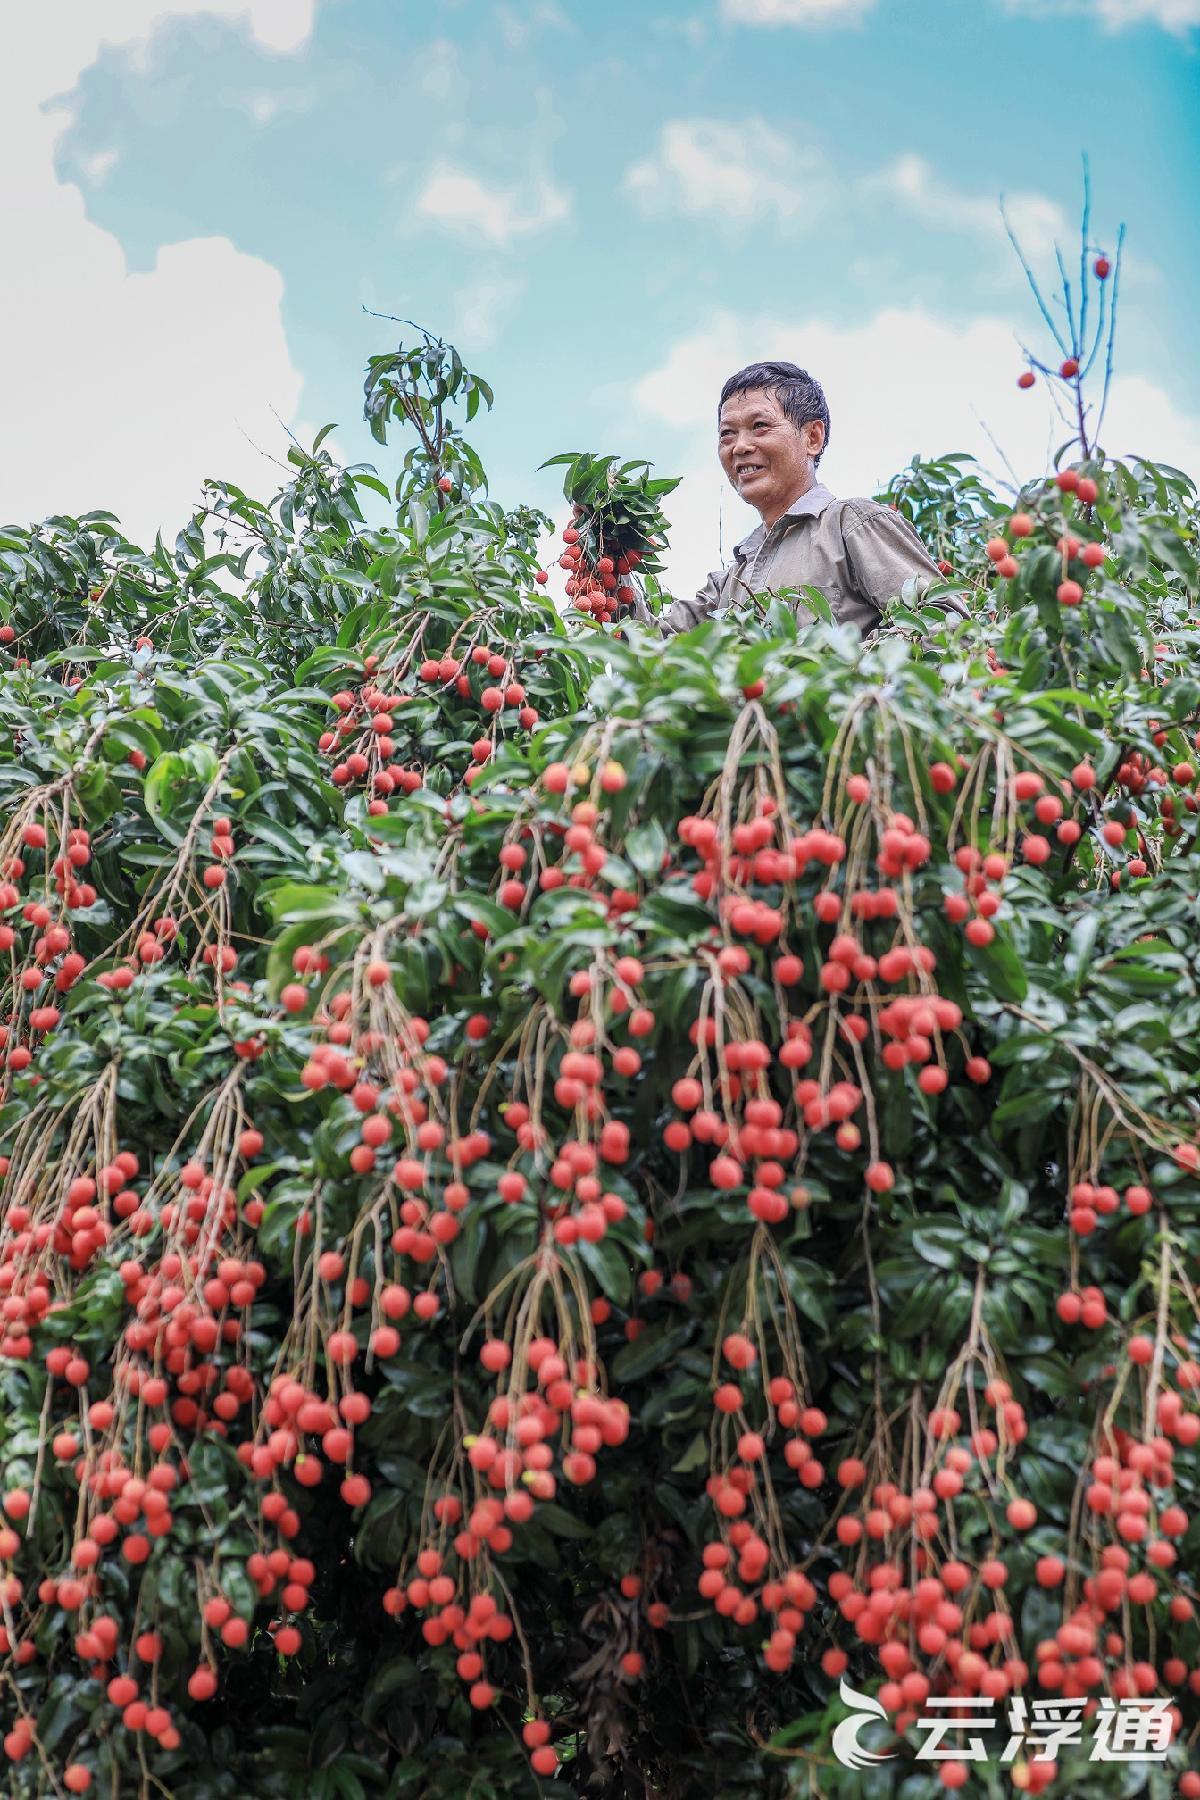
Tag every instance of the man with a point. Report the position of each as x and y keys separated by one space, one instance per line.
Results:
x=772 y=430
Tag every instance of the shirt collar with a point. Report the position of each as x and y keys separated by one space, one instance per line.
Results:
x=810 y=505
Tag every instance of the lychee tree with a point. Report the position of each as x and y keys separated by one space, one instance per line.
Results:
x=564 y=1191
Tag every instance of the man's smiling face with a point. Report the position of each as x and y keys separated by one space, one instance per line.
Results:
x=767 y=459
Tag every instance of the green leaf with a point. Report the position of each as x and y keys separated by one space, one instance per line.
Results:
x=940 y=1245
x=562 y=1523
x=610 y=1265
x=653 y=1348
x=166 y=781
x=646 y=846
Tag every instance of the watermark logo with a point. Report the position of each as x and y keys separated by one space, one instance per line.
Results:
x=953 y=1727
x=846 y=1746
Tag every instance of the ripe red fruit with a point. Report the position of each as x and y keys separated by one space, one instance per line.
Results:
x=1101 y=268
x=202 y=1683
x=1069 y=368
x=738 y=1351
x=445 y=485
x=632 y=1664
x=1069 y=593
x=77 y=1778
x=1026 y=378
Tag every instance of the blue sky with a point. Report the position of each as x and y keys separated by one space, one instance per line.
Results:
x=608 y=208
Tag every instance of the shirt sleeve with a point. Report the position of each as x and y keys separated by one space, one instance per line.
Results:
x=886 y=554
x=683 y=613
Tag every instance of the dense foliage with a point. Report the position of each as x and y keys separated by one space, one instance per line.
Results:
x=561 y=1190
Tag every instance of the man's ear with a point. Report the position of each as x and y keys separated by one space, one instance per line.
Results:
x=814 y=436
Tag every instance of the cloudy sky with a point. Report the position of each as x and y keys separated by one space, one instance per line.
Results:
x=607 y=206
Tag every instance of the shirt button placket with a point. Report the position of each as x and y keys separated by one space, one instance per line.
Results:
x=762 y=563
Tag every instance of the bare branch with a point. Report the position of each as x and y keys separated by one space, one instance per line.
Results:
x=1083 y=251
x=1112 y=331
x=1031 y=278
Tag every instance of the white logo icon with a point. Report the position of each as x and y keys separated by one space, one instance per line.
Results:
x=846 y=1746
x=1127 y=1730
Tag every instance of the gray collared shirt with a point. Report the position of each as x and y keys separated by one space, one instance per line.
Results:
x=857 y=553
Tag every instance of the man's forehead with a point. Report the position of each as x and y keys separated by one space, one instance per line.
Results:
x=752 y=400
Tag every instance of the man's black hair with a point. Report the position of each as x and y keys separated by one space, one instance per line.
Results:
x=800 y=395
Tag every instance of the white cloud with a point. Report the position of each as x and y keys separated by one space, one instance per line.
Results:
x=1176 y=16
x=51 y=47
x=97 y=167
x=740 y=174
x=796 y=12
x=126 y=395
x=481 y=308
x=461 y=202
x=440 y=70
x=691 y=27
x=904 y=382
x=913 y=183
x=264 y=105
x=737 y=173
x=524 y=23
